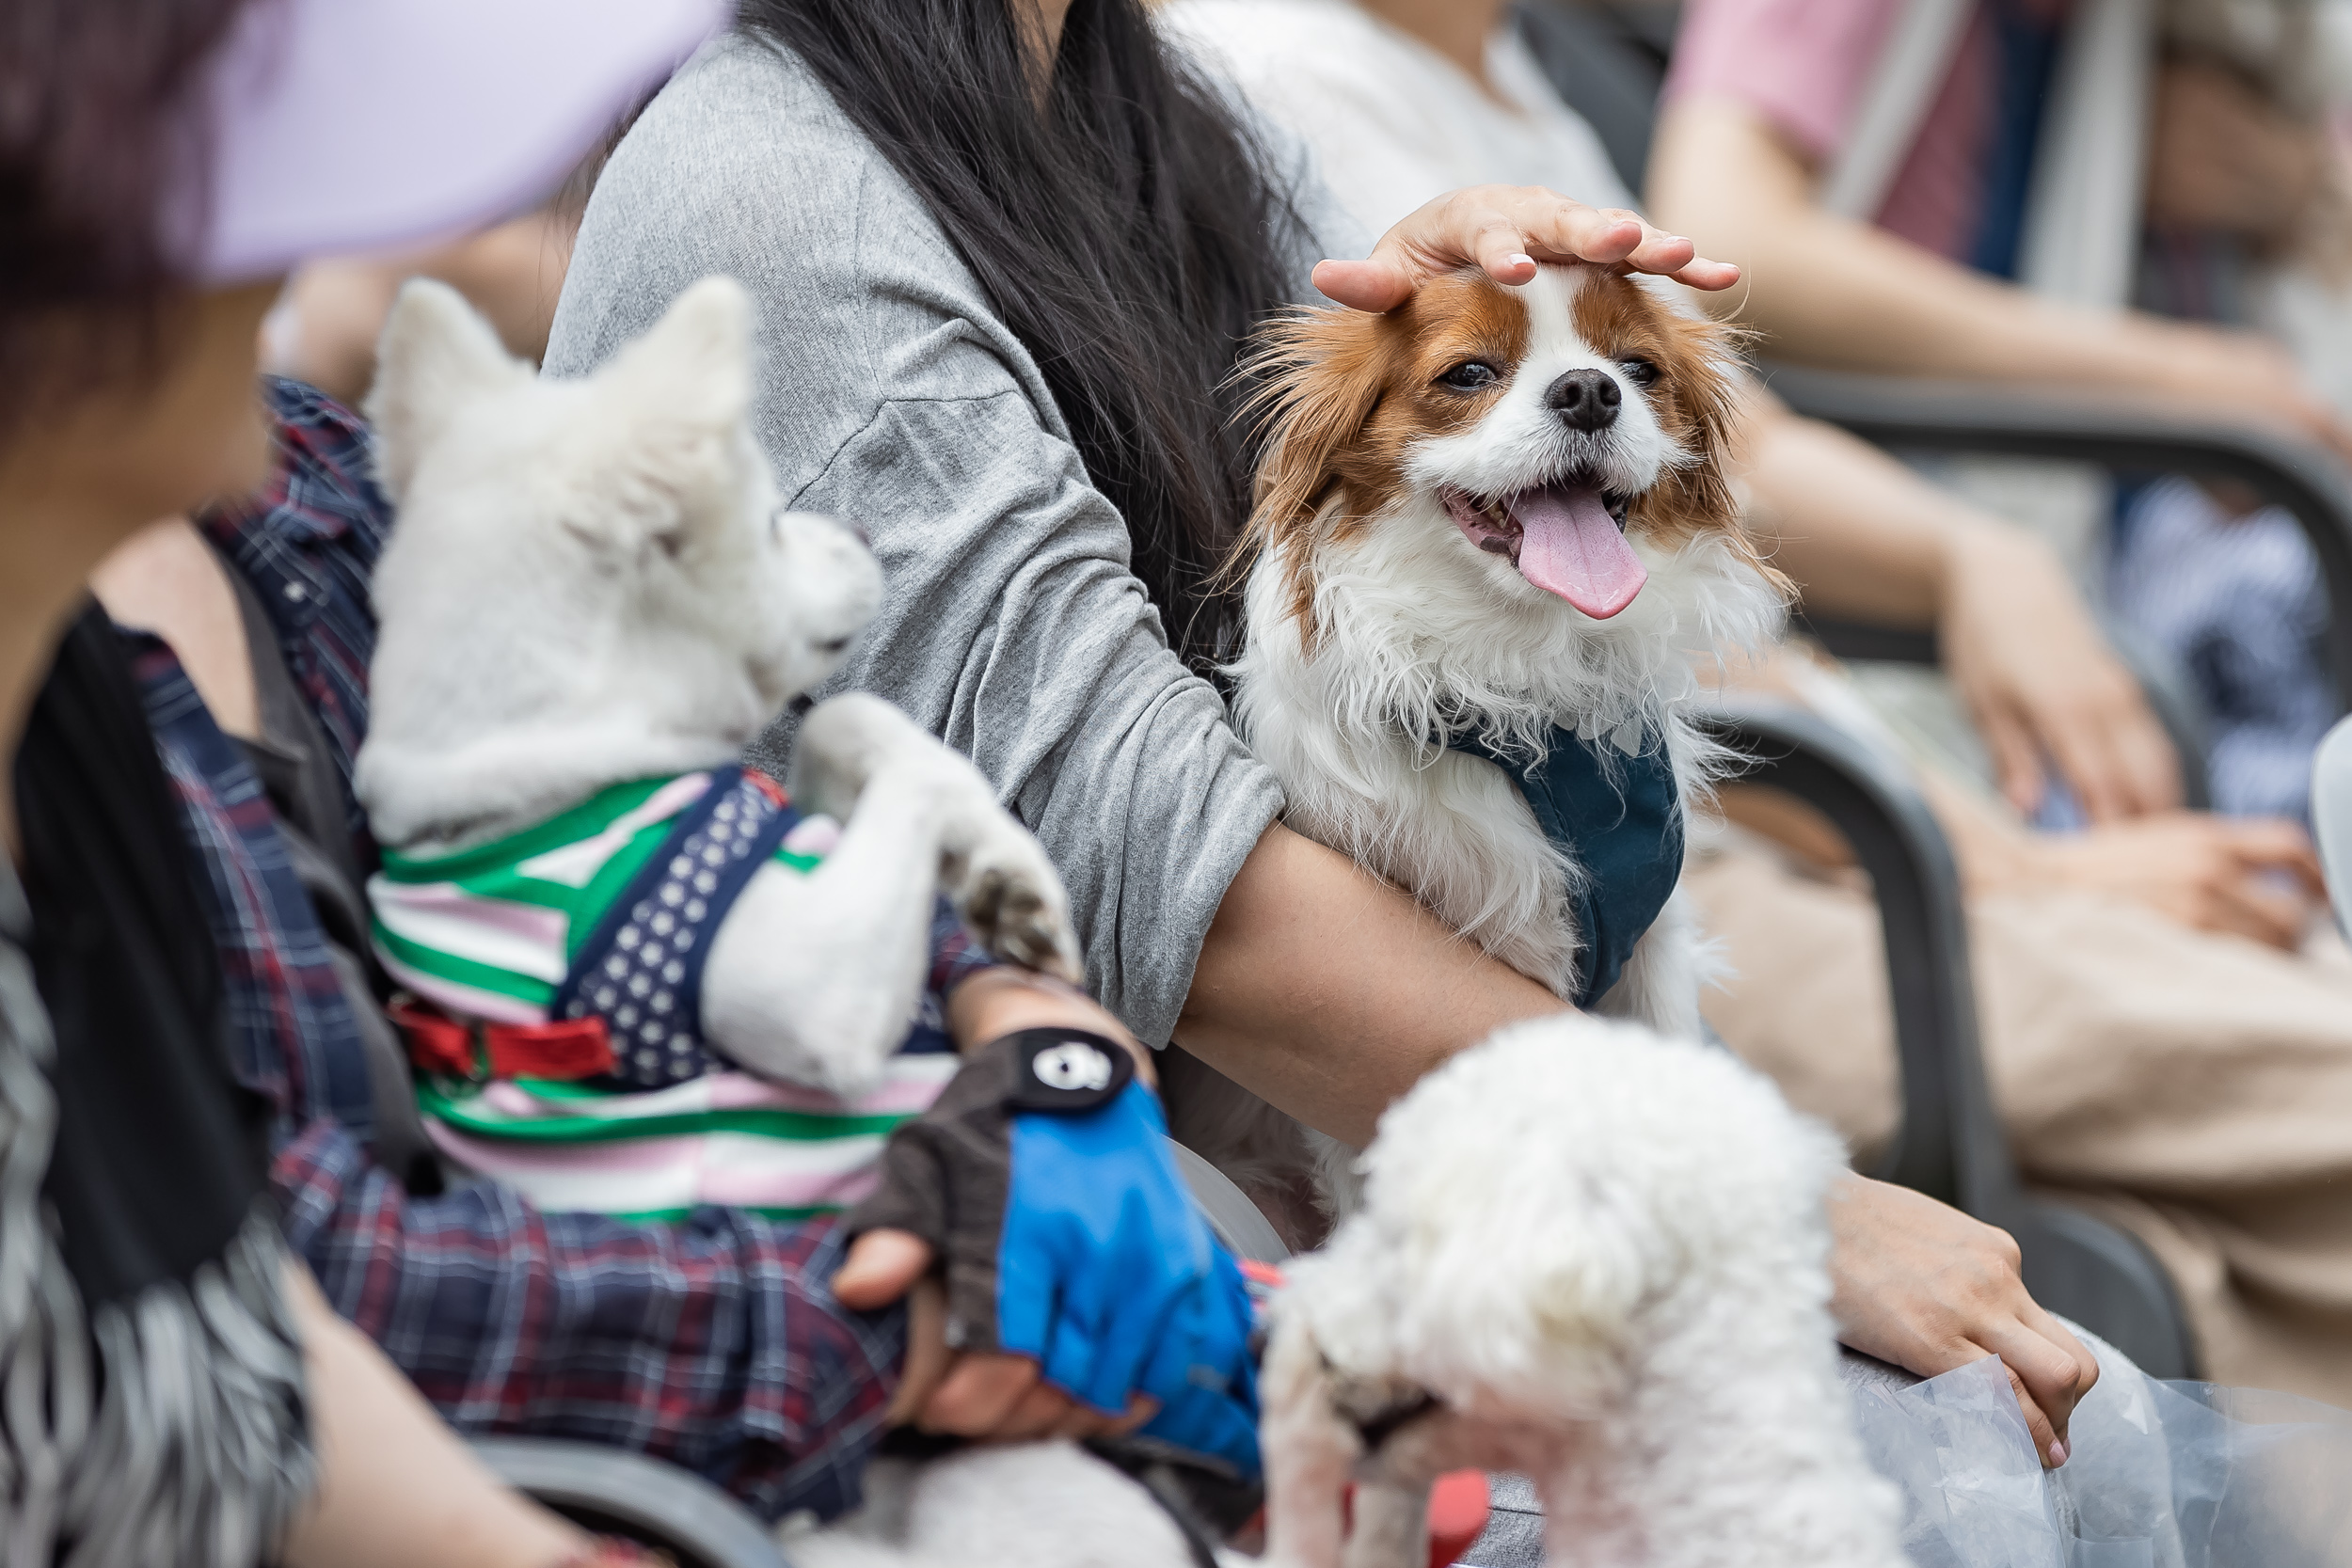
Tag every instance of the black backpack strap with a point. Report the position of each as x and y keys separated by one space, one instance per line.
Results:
x=291 y=760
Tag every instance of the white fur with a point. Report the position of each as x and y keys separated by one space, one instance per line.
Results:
x=1416 y=627
x=1604 y=1254
x=594 y=581
x=1028 y=1505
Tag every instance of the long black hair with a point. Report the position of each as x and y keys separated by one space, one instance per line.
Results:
x=1130 y=233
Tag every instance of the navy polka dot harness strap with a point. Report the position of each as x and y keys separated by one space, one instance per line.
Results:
x=641 y=969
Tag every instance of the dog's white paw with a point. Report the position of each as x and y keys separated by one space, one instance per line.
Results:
x=992 y=868
x=1000 y=881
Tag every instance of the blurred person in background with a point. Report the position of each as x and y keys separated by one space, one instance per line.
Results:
x=322 y=329
x=1006 y=253
x=1981 y=218
x=2103 y=1091
x=180 y=1391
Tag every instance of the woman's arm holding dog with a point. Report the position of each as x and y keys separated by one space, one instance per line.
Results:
x=1329 y=992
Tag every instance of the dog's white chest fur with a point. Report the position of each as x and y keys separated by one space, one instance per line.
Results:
x=1350 y=727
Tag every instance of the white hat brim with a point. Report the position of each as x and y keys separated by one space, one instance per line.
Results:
x=344 y=126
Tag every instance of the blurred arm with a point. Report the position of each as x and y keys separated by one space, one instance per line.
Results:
x=1839 y=292
x=1833 y=291
x=395 y=1485
x=1867 y=540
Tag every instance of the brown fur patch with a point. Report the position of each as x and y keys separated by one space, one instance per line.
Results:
x=1346 y=394
x=1697 y=401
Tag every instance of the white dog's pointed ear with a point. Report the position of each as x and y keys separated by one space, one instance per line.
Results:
x=435 y=354
x=695 y=365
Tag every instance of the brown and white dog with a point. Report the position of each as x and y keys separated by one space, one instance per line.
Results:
x=1497 y=513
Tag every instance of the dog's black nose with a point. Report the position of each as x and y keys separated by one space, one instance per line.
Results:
x=1585 y=400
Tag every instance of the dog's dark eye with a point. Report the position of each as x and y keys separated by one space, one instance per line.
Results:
x=1472 y=375
x=1639 y=370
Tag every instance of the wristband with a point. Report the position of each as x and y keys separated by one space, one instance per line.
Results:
x=1063 y=1072
x=1043 y=1182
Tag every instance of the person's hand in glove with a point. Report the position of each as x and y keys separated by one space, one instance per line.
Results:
x=1075 y=1289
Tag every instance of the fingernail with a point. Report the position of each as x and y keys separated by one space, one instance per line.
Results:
x=2057 y=1453
x=1515 y=259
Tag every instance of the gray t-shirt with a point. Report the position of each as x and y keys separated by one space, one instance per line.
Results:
x=890 y=394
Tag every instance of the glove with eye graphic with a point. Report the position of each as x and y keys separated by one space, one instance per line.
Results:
x=1043 y=1182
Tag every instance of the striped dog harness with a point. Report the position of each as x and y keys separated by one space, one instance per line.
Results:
x=562 y=1043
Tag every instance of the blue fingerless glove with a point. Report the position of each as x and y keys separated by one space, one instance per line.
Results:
x=1041 y=1178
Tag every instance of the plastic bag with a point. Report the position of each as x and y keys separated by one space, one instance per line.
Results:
x=2162 y=1474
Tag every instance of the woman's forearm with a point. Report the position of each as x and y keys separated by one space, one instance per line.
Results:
x=1328 y=993
x=1862 y=537
x=1834 y=290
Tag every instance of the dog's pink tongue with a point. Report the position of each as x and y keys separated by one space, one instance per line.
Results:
x=1571 y=547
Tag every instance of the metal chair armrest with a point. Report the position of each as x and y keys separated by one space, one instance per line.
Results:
x=1950 y=1145
x=618 y=1493
x=2029 y=422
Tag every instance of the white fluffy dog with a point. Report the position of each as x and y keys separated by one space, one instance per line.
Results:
x=1584 y=1254
x=1596 y=1257
x=594 y=582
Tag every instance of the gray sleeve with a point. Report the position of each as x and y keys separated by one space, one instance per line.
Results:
x=890 y=396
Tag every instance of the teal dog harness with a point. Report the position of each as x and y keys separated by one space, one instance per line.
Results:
x=1621 y=820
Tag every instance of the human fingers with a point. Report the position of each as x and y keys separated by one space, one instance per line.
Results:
x=978 y=1395
x=2050 y=1376
x=1041 y=1413
x=882 y=1265
x=928 y=1355
x=1084 y=1421
x=1376 y=283
x=2047 y=1326
x=1506 y=231
x=2148 y=765
x=2048 y=1447
x=1141 y=1409
x=2270 y=915
x=2109 y=746
x=2275 y=843
x=1558 y=230
x=2016 y=760
x=2078 y=747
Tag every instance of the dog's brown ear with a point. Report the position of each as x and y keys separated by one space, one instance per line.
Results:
x=1318 y=378
x=1701 y=369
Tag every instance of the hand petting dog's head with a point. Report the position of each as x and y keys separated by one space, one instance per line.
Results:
x=1541 y=438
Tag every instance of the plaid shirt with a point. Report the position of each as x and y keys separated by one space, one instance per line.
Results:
x=712 y=1342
